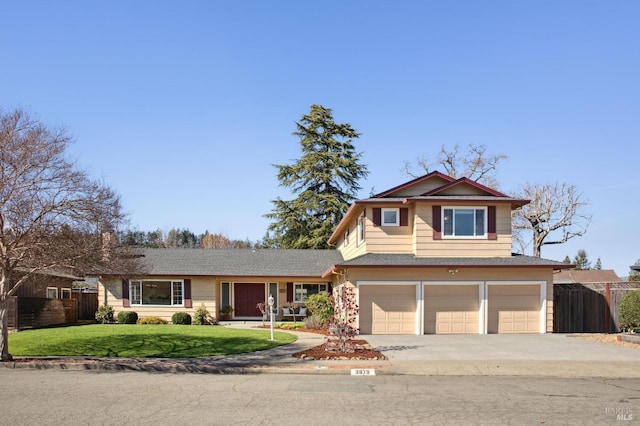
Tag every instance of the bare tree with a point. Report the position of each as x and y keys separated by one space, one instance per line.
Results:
x=474 y=164
x=554 y=215
x=52 y=216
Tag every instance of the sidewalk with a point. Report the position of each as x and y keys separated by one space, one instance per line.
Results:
x=280 y=361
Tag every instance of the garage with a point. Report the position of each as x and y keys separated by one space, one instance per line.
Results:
x=388 y=308
x=451 y=309
x=513 y=309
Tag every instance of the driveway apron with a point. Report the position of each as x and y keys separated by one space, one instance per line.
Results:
x=506 y=347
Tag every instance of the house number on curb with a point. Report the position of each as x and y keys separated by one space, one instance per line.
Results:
x=363 y=372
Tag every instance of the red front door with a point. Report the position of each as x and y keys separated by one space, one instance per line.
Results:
x=246 y=297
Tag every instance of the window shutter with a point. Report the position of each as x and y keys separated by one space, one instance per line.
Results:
x=125 y=294
x=491 y=223
x=289 y=292
x=187 y=294
x=437 y=222
x=377 y=216
x=404 y=216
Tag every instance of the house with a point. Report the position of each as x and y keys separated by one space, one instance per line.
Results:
x=45 y=298
x=585 y=276
x=432 y=255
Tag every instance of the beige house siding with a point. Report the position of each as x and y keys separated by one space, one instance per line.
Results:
x=203 y=290
x=426 y=246
x=420 y=188
x=352 y=249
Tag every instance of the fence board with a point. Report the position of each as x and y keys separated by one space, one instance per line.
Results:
x=36 y=312
x=582 y=308
x=87 y=305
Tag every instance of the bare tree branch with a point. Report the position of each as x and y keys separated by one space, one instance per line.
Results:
x=554 y=215
x=52 y=215
x=474 y=164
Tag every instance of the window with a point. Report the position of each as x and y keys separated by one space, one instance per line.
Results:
x=360 y=229
x=390 y=217
x=302 y=291
x=52 y=292
x=156 y=292
x=346 y=237
x=66 y=293
x=464 y=222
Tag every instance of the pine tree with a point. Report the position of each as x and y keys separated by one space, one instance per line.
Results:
x=325 y=180
x=582 y=261
x=598 y=265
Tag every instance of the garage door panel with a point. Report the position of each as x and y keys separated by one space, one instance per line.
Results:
x=513 y=309
x=451 y=309
x=387 y=309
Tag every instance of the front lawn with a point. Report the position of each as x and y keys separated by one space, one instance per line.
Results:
x=142 y=341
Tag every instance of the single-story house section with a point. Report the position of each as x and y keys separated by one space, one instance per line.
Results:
x=183 y=279
x=432 y=255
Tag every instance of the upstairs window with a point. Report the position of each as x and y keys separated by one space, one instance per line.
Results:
x=360 y=228
x=390 y=217
x=464 y=222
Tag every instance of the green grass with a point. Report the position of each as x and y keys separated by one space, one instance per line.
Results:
x=142 y=341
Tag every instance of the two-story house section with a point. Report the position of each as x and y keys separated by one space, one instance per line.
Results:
x=433 y=255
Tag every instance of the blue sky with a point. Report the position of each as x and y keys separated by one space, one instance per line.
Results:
x=183 y=107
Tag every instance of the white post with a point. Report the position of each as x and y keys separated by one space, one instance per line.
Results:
x=271 y=315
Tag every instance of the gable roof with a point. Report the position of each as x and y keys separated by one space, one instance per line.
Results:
x=235 y=262
x=464 y=181
x=390 y=260
x=586 y=276
x=441 y=189
x=412 y=183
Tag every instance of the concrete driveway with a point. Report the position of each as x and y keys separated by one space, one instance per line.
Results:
x=504 y=347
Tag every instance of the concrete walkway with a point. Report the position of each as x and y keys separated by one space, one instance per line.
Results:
x=540 y=355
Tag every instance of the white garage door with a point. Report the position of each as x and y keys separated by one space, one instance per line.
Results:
x=388 y=309
x=451 y=309
x=513 y=309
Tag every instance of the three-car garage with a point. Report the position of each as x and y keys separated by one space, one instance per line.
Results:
x=464 y=307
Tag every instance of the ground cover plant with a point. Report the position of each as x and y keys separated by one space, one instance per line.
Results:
x=142 y=341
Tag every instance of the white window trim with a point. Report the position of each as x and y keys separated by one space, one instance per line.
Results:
x=52 y=288
x=360 y=237
x=320 y=291
x=171 y=282
x=67 y=291
x=382 y=221
x=465 y=237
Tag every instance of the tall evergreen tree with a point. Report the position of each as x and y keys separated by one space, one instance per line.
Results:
x=325 y=180
x=581 y=260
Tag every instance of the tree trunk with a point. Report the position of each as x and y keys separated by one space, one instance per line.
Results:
x=4 y=329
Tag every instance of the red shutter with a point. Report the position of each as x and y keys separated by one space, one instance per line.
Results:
x=404 y=216
x=377 y=216
x=491 y=223
x=437 y=222
x=125 y=294
x=187 y=294
x=289 y=292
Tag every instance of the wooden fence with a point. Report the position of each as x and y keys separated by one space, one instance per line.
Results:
x=34 y=312
x=588 y=308
x=87 y=304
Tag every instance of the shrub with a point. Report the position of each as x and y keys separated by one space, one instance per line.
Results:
x=202 y=316
x=152 y=320
x=105 y=315
x=630 y=310
x=319 y=305
x=313 y=323
x=291 y=325
x=182 y=318
x=127 y=317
